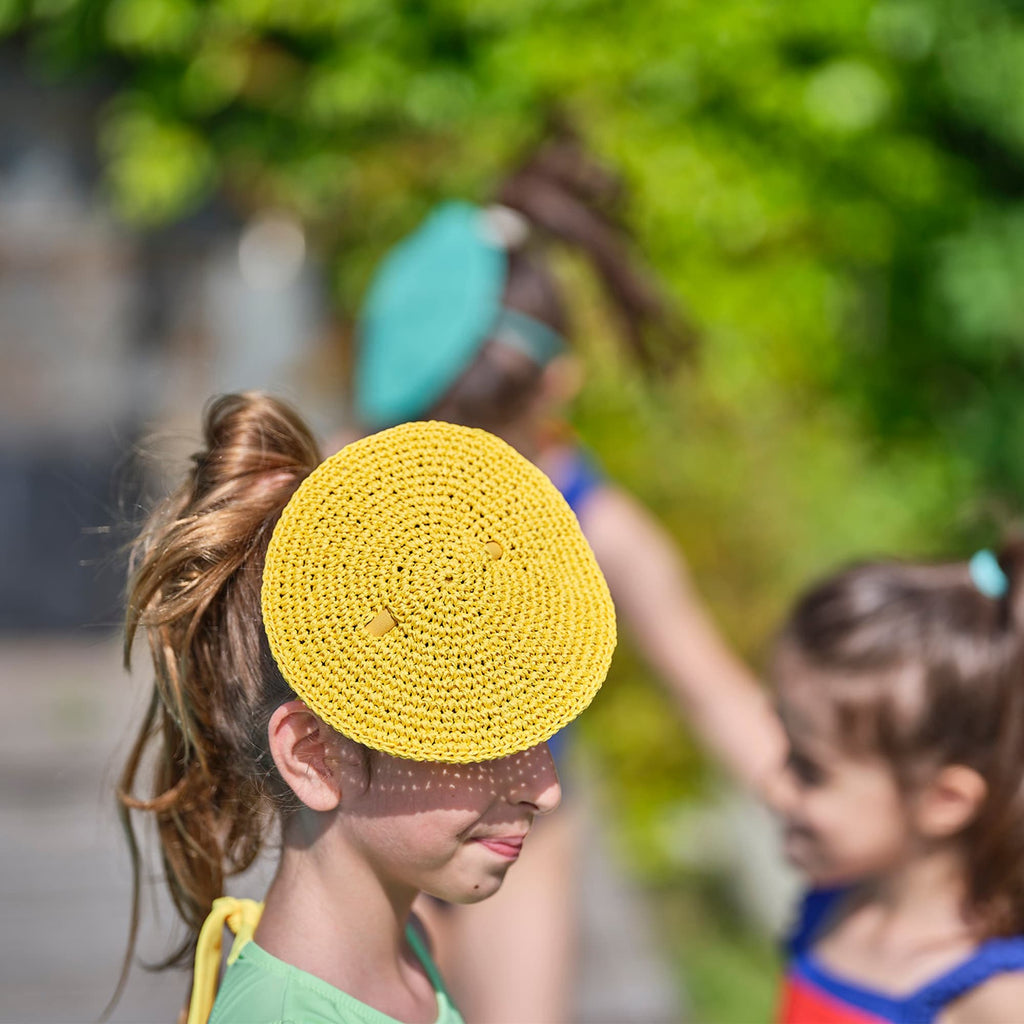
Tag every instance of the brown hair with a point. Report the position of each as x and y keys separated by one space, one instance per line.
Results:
x=566 y=196
x=920 y=666
x=194 y=591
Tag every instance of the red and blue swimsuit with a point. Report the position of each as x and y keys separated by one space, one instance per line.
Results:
x=812 y=994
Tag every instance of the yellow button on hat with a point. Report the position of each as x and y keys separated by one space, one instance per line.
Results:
x=429 y=593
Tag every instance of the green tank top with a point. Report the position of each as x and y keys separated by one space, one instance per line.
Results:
x=260 y=989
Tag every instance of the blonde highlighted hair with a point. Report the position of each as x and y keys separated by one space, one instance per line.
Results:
x=199 y=764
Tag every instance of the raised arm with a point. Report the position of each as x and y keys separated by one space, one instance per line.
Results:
x=656 y=601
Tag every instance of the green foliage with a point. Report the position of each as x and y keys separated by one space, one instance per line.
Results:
x=153 y=162
x=731 y=974
x=831 y=189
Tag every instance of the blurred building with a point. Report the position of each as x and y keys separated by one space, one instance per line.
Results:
x=107 y=334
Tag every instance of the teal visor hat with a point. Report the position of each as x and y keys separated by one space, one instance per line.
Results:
x=434 y=301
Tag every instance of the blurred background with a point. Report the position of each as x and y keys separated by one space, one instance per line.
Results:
x=192 y=197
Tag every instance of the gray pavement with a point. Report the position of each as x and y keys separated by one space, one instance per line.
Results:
x=66 y=707
x=64 y=890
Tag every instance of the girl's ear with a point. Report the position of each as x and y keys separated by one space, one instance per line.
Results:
x=309 y=754
x=950 y=802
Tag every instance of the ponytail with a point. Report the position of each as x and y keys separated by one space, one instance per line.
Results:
x=563 y=194
x=200 y=757
x=1011 y=561
x=996 y=846
x=569 y=196
x=924 y=666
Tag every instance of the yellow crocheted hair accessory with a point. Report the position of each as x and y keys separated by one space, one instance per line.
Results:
x=429 y=593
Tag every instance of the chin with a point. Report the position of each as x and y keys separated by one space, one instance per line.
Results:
x=816 y=871
x=821 y=877
x=467 y=892
x=472 y=892
x=814 y=874
x=479 y=896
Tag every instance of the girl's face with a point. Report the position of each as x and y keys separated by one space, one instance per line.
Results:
x=845 y=816
x=450 y=830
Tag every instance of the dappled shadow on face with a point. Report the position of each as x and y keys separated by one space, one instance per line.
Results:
x=395 y=786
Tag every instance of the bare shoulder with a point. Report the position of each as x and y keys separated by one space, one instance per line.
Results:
x=613 y=519
x=608 y=504
x=1000 y=1000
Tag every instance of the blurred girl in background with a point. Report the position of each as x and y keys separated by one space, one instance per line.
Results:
x=901 y=690
x=465 y=322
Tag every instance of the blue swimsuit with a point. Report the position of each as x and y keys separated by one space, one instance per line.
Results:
x=812 y=994
x=578 y=478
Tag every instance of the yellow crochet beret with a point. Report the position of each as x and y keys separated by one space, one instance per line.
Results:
x=428 y=592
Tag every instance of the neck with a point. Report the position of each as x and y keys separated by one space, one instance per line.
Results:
x=926 y=895
x=327 y=912
x=523 y=438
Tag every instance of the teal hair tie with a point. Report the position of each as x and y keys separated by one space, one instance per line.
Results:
x=987 y=575
x=434 y=301
x=529 y=336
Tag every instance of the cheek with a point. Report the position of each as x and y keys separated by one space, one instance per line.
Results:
x=817 y=817
x=426 y=836
x=858 y=831
x=883 y=825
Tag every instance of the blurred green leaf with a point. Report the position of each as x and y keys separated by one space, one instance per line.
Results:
x=832 y=191
x=157 y=168
x=154 y=27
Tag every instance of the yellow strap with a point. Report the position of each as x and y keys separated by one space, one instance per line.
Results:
x=241 y=916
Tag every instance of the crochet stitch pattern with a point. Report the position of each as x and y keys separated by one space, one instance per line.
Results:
x=490 y=623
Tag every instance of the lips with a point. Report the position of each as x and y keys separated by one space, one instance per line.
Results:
x=508 y=847
x=797 y=844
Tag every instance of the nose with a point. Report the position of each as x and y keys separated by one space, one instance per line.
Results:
x=533 y=780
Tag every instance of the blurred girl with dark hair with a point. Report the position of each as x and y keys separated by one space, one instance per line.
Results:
x=901 y=690
x=466 y=322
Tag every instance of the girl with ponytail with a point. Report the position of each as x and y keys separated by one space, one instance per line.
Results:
x=465 y=321
x=901 y=687
x=901 y=691
x=362 y=659
x=195 y=592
